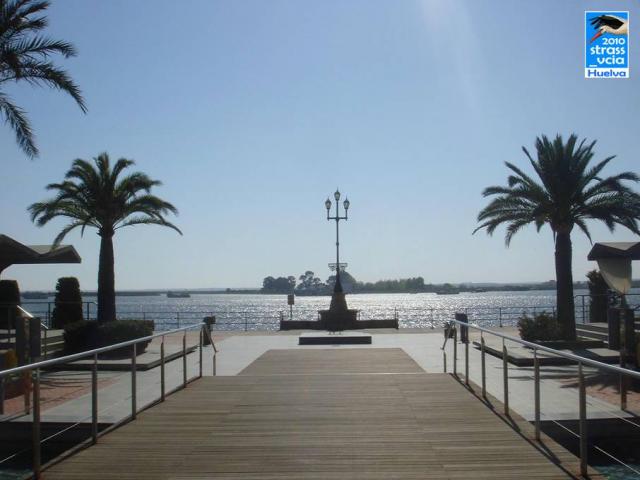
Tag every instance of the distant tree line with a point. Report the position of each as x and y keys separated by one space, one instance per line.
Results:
x=309 y=284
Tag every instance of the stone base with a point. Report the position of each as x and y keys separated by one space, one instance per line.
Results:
x=320 y=325
x=354 y=338
x=336 y=321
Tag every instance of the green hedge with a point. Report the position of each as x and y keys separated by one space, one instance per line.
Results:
x=542 y=327
x=68 y=307
x=87 y=335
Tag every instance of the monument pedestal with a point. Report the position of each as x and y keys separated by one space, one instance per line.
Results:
x=338 y=318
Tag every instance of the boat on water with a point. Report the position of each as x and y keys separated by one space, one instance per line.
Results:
x=35 y=295
x=171 y=294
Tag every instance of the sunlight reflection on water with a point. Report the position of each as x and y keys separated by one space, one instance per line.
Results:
x=262 y=312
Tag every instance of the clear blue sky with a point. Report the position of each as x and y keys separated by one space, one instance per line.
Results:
x=252 y=112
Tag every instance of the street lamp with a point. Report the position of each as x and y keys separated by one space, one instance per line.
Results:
x=337 y=218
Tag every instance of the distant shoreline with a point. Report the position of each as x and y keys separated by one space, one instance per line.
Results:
x=256 y=291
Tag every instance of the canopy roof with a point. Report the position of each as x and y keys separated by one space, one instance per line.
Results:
x=628 y=250
x=13 y=252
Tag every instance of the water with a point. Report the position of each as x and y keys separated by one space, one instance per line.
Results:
x=619 y=472
x=262 y=312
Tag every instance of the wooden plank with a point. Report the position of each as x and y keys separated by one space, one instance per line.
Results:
x=314 y=422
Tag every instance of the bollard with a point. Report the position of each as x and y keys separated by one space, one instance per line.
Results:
x=464 y=331
x=613 y=321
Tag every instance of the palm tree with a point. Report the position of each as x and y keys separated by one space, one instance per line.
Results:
x=95 y=197
x=25 y=56
x=570 y=193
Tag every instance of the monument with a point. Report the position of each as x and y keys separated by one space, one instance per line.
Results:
x=339 y=316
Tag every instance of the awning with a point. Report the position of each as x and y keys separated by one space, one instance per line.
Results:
x=13 y=252
x=628 y=250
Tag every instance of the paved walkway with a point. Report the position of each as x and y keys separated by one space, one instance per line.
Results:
x=339 y=413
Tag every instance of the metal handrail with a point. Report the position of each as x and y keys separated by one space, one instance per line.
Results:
x=570 y=356
x=581 y=361
x=35 y=368
x=95 y=351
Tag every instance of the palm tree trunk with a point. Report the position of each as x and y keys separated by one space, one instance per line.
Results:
x=564 y=286
x=106 y=280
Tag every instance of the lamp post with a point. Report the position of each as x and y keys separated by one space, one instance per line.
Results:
x=338 y=286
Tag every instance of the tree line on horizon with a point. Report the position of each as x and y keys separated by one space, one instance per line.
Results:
x=308 y=284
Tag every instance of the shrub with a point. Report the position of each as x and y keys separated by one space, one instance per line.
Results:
x=87 y=335
x=542 y=327
x=9 y=297
x=68 y=300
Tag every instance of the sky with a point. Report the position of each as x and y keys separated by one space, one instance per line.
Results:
x=251 y=113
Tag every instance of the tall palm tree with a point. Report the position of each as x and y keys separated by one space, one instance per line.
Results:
x=570 y=193
x=95 y=197
x=25 y=56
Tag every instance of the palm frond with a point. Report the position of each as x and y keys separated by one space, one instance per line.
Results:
x=570 y=192
x=20 y=124
x=25 y=57
x=93 y=195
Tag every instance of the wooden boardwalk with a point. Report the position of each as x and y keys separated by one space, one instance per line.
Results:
x=319 y=414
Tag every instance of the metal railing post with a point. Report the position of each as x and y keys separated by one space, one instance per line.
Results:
x=134 y=400
x=583 y=421
x=27 y=379
x=162 y=382
x=536 y=391
x=505 y=379
x=46 y=343
x=184 y=359
x=500 y=315
x=94 y=399
x=455 y=351
x=622 y=382
x=444 y=360
x=35 y=425
x=200 y=352
x=2 y=394
x=466 y=362
x=483 y=367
